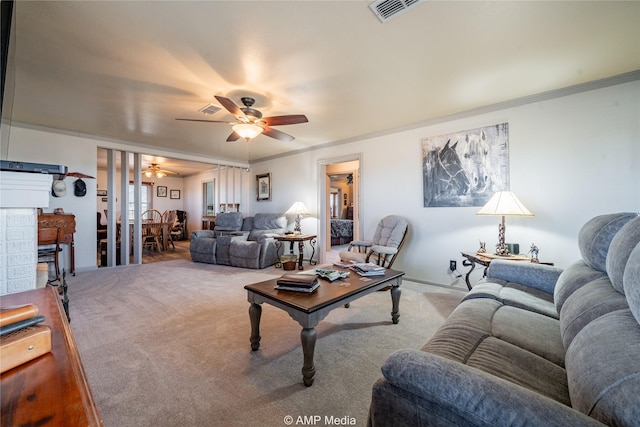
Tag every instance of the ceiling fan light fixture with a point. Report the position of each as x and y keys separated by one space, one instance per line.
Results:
x=247 y=130
x=154 y=169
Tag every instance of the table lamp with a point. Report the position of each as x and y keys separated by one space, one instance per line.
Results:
x=503 y=203
x=297 y=209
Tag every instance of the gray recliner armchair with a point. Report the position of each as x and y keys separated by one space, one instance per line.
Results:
x=385 y=245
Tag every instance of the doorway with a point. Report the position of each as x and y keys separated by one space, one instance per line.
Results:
x=339 y=201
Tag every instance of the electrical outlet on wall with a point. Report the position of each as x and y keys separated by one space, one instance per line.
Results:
x=452 y=265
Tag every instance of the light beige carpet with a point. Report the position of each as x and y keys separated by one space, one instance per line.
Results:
x=167 y=344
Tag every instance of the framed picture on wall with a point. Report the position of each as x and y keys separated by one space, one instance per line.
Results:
x=101 y=193
x=161 y=191
x=263 y=187
x=175 y=194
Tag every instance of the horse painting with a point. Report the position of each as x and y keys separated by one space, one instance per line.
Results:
x=445 y=173
x=474 y=160
x=465 y=168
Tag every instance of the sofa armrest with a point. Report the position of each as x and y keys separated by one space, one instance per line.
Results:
x=539 y=276
x=225 y=240
x=477 y=397
x=196 y=234
x=270 y=236
x=385 y=250
x=360 y=246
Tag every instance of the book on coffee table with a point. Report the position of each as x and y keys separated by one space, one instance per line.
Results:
x=297 y=282
x=368 y=269
x=304 y=289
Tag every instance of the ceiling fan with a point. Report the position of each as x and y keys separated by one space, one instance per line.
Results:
x=250 y=123
x=154 y=170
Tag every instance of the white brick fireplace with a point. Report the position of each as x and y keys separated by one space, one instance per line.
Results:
x=20 y=196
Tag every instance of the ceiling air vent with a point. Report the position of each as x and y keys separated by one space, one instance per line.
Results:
x=387 y=9
x=210 y=109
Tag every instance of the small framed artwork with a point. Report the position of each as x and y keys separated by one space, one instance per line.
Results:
x=101 y=193
x=161 y=191
x=175 y=194
x=105 y=199
x=263 y=187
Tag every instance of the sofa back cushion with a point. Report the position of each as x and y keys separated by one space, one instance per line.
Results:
x=247 y=223
x=595 y=237
x=267 y=223
x=631 y=281
x=229 y=221
x=600 y=329
x=619 y=251
x=390 y=231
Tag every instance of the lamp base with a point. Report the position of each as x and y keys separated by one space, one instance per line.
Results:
x=501 y=247
x=297 y=229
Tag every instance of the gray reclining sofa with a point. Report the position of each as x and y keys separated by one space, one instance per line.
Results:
x=531 y=345
x=248 y=243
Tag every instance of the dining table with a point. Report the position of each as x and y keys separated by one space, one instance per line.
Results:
x=165 y=232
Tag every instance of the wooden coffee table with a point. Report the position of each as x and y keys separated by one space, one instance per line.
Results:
x=309 y=309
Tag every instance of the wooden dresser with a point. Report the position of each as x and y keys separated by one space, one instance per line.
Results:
x=51 y=390
x=68 y=223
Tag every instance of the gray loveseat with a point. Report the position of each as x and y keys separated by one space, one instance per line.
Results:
x=250 y=246
x=531 y=345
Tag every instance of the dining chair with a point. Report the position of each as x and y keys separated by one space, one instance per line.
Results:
x=170 y=222
x=152 y=229
x=49 y=239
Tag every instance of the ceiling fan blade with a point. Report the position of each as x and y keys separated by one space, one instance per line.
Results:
x=233 y=137
x=230 y=106
x=279 y=135
x=202 y=120
x=291 y=119
x=168 y=172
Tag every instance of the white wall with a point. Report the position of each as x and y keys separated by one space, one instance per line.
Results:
x=571 y=158
x=159 y=203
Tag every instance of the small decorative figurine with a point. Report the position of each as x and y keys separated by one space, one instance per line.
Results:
x=483 y=248
x=534 y=253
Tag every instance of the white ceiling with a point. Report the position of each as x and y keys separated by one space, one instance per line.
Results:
x=126 y=70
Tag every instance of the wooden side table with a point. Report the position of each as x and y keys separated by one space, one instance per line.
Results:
x=300 y=238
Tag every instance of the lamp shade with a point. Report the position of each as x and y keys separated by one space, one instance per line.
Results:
x=247 y=130
x=504 y=203
x=298 y=208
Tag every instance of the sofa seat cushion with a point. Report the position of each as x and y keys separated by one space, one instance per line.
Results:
x=497 y=339
x=602 y=369
x=515 y=295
